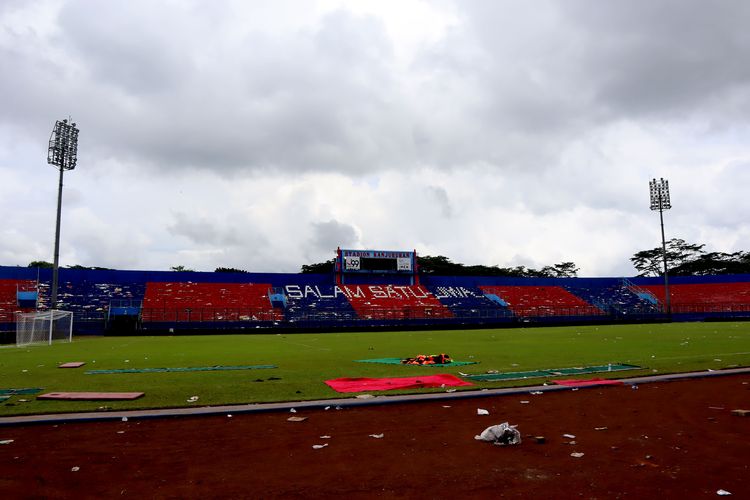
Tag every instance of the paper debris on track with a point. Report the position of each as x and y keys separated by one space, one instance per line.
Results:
x=482 y=411
x=569 y=436
x=296 y=419
x=377 y=436
x=319 y=446
x=576 y=454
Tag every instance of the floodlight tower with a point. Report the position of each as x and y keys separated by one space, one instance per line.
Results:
x=660 y=201
x=63 y=154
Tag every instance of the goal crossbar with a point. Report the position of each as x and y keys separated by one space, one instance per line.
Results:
x=44 y=327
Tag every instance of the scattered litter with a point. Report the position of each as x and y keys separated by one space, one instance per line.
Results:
x=482 y=411
x=539 y=439
x=325 y=437
x=319 y=446
x=23 y=400
x=104 y=408
x=451 y=390
x=127 y=361
x=327 y=408
x=574 y=389
x=600 y=428
x=716 y=359
x=292 y=410
x=75 y=469
x=364 y=396
x=569 y=436
x=500 y=435
x=24 y=371
x=377 y=436
x=536 y=393
x=569 y=442
x=715 y=407
x=492 y=371
x=722 y=493
x=463 y=374
x=741 y=413
x=192 y=399
x=229 y=415
x=6 y=441
x=296 y=419
x=446 y=406
x=124 y=419
x=634 y=386
x=524 y=402
x=338 y=407
x=121 y=432
x=576 y=454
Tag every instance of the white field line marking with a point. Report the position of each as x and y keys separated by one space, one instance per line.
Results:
x=707 y=355
x=305 y=345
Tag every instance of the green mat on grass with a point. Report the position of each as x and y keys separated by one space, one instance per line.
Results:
x=397 y=361
x=490 y=377
x=13 y=392
x=188 y=369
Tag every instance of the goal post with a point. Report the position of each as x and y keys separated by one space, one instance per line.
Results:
x=44 y=327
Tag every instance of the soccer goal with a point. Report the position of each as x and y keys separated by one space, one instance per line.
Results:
x=42 y=327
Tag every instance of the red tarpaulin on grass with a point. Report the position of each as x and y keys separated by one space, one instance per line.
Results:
x=91 y=396
x=584 y=383
x=389 y=384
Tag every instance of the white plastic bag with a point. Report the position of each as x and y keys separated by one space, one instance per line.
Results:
x=501 y=435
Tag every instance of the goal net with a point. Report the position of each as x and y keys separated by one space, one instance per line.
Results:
x=44 y=327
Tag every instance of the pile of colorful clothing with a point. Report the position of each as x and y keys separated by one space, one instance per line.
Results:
x=433 y=359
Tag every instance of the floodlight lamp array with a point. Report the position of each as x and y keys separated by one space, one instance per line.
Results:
x=63 y=145
x=660 y=194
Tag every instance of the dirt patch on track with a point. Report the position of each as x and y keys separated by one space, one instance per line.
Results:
x=671 y=440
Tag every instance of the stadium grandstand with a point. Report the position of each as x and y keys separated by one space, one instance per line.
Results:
x=368 y=288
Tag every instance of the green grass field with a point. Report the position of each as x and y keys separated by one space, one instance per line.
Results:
x=305 y=360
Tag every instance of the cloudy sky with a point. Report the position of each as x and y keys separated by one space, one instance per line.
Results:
x=262 y=135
